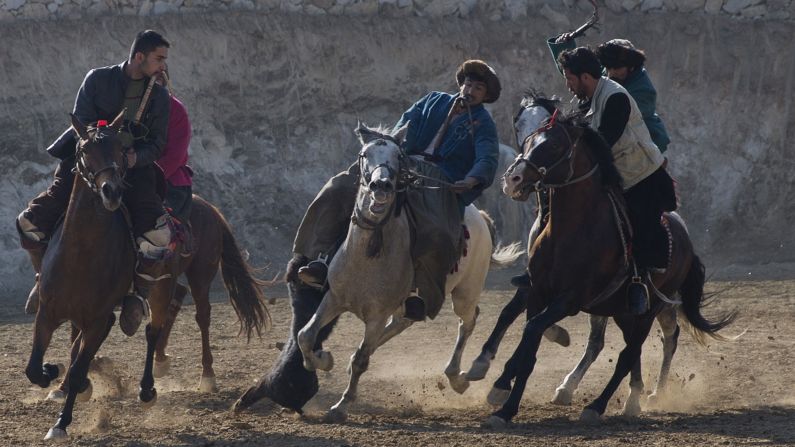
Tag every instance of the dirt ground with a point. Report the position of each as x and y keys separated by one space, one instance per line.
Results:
x=735 y=393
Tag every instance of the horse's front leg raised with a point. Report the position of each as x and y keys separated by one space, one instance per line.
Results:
x=635 y=331
x=397 y=324
x=514 y=308
x=327 y=311
x=90 y=341
x=360 y=360
x=596 y=341
x=40 y=373
x=523 y=360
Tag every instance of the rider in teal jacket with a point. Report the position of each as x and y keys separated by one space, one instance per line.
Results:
x=621 y=56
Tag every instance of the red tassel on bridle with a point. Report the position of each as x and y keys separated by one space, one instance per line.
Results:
x=552 y=121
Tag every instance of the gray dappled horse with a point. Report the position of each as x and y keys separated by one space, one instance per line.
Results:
x=372 y=274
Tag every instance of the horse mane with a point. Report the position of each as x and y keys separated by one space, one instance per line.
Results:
x=535 y=97
x=599 y=148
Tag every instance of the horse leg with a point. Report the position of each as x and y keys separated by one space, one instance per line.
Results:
x=632 y=405
x=327 y=311
x=523 y=360
x=397 y=324
x=635 y=331
x=480 y=366
x=200 y=290
x=670 y=329
x=360 y=360
x=596 y=341
x=60 y=392
x=90 y=341
x=162 y=360
x=465 y=306
x=40 y=373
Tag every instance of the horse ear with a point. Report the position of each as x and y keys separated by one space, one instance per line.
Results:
x=79 y=127
x=400 y=134
x=364 y=133
x=117 y=122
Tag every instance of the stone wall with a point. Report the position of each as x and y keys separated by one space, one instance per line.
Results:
x=492 y=9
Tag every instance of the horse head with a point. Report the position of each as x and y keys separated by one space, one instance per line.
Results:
x=380 y=163
x=549 y=158
x=101 y=161
x=534 y=109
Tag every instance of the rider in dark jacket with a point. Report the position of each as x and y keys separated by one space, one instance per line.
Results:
x=105 y=93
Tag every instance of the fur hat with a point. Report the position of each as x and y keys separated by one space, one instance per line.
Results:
x=619 y=53
x=480 y=71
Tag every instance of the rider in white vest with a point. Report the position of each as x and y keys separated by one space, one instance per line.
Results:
x=648 y=189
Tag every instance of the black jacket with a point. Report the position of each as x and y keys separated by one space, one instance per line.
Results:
x=101 y=96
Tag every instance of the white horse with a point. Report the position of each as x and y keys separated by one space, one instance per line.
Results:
x=374 y=287
x=535 y=109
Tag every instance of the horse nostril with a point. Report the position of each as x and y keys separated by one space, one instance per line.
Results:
x=107 y=190
x=516 y=178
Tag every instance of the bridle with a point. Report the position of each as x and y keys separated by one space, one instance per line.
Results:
x=365 y=175
x=544 y=171
x=81 y=168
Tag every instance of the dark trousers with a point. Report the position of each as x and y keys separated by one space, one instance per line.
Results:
x=646 y=202
x=140 y=197
x=179 y=199
x=46 y=208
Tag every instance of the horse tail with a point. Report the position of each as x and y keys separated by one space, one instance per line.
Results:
x=245 y=292
x=490 y=224
x=502 y=256
x=693 y=300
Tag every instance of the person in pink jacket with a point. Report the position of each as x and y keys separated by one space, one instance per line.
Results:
x=174 y=159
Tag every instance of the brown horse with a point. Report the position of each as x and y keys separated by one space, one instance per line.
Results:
x=215 y=247
x=88 y=266
x=579 y=261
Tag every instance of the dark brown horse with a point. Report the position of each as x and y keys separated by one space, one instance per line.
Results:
x=579 y=261
x=88 y=266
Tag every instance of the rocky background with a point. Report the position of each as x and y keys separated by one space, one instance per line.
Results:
x=275 y=88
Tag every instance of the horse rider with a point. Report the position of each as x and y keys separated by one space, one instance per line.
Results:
x=104 y=93
x=451 y=138
x=624 y=64
x=174 y=157
x=648 y=189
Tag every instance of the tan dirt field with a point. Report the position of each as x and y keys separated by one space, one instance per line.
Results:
x=732 y=393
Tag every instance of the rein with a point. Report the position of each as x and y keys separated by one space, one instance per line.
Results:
x=89 y=176
x=543 y=171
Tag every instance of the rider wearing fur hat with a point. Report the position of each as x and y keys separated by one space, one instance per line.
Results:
x=451 y=138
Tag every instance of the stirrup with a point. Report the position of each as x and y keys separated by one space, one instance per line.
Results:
x=415 y=311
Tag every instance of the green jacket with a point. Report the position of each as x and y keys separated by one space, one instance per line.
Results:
x=638 y=85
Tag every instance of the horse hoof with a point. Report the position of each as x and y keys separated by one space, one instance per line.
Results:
x=632 y=409
x=562 y=397
x=494 y=423
x=590 y=416
x=56 y=434
x=325 y=361
x=85 y=395
x=458 y=382
x=478 y=370
x=557 y=334
x=56 y=395
x=336 y=416
x=148 y=398
x=207 y=385
x=655 y=400
x=497 y=396
x=160 y=369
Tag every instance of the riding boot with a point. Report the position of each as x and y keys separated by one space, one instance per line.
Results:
x=521 y=281
x=414 y=307
x=315 y=273
x=32 y=240
x=133 y=310
x=638 y=294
